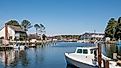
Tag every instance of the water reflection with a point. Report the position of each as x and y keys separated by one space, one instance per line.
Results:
x=6 y=57
x=13 y=57
x=43 y=56
x=38 y=55
x=119 y=49
x=109 y=49
x=23 y=58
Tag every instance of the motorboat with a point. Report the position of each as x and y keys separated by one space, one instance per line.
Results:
x=85 y=57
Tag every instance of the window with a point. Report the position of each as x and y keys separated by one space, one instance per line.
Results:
x=85 y=51
x=91 y=51
x=79 y=51
x=10 y=37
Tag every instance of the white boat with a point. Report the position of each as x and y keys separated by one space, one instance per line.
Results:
x=16 y=46
x=86 y=57
x=83 y=57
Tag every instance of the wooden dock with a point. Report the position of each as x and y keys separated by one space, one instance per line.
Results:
x=105 y=62
x=28 y=43
x=5 y=48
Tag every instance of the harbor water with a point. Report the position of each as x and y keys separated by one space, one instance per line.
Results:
x=109 y=49
x=44 y=56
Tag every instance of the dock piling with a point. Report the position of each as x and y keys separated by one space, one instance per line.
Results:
x=99 y=55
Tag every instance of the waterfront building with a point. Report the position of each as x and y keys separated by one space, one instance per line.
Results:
x=87 y=37
x=9 y=32
x=33 y=38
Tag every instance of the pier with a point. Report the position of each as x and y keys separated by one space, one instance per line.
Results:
x=105 y=62
x=29 y=44
x=2 y=48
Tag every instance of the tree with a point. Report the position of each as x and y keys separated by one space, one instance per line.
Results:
x=36 y=27
x=44 y=36
x=42 y=29
x=13 y=22
x=111 y=28
x=118 y=29
x=26 y=25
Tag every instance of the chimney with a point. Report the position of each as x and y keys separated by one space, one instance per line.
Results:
x=6 y=32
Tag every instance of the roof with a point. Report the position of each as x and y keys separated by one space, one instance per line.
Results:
x=33 y=36
x=86 y=47
x=16 y=28
x=92 y=34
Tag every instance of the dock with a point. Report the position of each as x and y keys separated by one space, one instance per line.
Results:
x=105 y=62
x=30 y=44
x=5 y=48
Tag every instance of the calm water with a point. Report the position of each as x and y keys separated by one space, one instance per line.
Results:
x=46 y=56
x=109 y=49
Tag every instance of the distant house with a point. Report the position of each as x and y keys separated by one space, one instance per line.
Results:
x=34 y=37
x=9 y=32
x=91 y=36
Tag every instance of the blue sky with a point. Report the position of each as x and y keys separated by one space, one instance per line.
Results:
x=62 y=16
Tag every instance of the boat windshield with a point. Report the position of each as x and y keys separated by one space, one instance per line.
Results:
x=79 y=51
x=91 y=51
x=84 y=51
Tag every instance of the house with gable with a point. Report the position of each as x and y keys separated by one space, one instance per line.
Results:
x=9 y=32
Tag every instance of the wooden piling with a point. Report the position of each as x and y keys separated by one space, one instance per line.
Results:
x=6 y=32
x=99 y=56
x=106 y=64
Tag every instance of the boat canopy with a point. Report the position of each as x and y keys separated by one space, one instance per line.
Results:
x=85 y=50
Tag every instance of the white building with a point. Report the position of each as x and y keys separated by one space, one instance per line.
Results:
x=90 y=36
x=97 y=35
x=8 y=32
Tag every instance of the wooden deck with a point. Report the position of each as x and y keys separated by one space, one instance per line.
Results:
x=6 y=47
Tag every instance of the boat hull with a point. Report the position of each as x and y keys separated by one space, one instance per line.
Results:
x=77 y=63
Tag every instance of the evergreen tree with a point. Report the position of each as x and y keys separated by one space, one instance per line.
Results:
x=111 y=28
x=26 y=25
x=36 y=27
x=13 y=22
x=118 y=29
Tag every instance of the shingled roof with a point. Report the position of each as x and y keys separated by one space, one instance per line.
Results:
x=16 y=28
